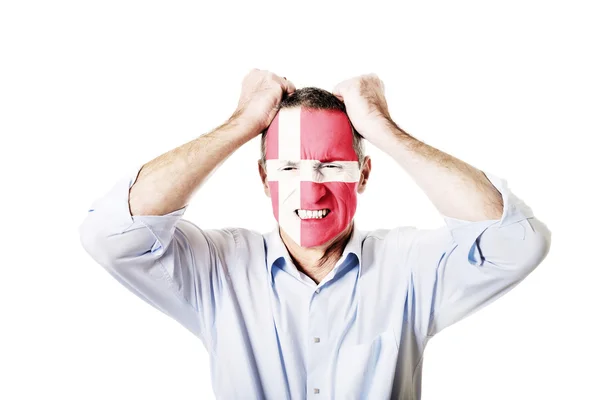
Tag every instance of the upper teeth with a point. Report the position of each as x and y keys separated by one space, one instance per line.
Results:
x=306 y=214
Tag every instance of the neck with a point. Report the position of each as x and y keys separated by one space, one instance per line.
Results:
x=318 y=261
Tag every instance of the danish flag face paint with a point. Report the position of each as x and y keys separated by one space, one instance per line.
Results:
x=313 y=173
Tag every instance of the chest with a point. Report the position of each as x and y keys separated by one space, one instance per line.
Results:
x=287 y=333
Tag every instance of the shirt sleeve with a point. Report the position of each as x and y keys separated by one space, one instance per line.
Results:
x=466 y=265
x=152 y=257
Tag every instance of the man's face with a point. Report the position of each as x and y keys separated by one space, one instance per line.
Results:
x=312 y=173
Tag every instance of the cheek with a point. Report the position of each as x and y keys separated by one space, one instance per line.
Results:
x=345 y=197
x=285 y=196
x=274 y=191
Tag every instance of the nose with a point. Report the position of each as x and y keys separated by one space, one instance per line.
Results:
x=311 y=193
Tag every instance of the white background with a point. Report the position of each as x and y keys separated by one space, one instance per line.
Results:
x=90 y=90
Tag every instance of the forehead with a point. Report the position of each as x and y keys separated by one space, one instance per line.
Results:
x=306 y=134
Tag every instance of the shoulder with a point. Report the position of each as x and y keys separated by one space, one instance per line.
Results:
x=405 y=239
x=222 y=240
x=385 y=236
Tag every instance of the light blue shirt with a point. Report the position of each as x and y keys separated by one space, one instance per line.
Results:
x=273 y=333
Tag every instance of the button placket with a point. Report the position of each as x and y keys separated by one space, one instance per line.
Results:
x=316 y=356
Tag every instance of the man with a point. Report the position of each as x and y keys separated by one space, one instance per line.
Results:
x=317 y=308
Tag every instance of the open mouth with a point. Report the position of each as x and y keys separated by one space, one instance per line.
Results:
x=313 y=214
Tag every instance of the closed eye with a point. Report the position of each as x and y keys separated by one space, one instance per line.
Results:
x=288 y=168
x=331 y=166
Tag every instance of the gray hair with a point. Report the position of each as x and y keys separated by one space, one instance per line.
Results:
x=317 y=99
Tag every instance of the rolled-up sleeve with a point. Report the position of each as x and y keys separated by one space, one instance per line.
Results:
x=467 y=265
x=146 y=254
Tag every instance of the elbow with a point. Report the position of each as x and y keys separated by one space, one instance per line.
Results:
x=117 y=247
x=101 y=244
x=516 y=248
x=535 y=247
x=91 y=240
x=86 y=236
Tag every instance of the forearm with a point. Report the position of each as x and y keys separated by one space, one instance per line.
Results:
x=457 y=189
x=168 y=182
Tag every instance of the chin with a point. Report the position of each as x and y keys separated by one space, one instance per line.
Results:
x=324 y=240
x=312 y=244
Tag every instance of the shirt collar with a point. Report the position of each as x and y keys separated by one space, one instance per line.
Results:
x=275 y=249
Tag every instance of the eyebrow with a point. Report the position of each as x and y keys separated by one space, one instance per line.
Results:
x=321 y=162
x=330 y=160
x=290 y=163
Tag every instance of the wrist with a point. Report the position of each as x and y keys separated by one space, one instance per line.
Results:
x=380 y=130
x=244 y=125
x=242 y=118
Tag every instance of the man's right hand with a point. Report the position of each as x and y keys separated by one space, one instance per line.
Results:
x=262 y=92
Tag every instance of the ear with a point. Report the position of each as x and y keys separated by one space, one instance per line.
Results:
x=364 y=175
x=263 y=178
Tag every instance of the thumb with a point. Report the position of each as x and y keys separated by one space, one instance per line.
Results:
x=337 y=92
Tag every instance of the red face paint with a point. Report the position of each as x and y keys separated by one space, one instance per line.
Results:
x=313 y=173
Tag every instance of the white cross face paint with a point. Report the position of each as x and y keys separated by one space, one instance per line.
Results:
x=313 y=173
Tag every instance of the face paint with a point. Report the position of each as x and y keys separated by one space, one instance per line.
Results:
x=311 y=165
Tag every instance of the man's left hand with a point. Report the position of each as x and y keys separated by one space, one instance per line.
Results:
x=365 y=105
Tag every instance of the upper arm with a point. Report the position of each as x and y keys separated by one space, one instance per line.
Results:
x=161 y=278
x=456 y=279
x=466 y=265
x=166 y=261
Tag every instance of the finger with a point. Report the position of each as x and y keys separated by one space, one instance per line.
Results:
x=290 y=88
x=337 y=91
x=286 y=85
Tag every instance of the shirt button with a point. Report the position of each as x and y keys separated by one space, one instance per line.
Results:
x=318 y=290
x=316 y=391
x=317 y=340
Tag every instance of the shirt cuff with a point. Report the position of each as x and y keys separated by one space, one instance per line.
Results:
x=465 y=233
x=113 y=216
